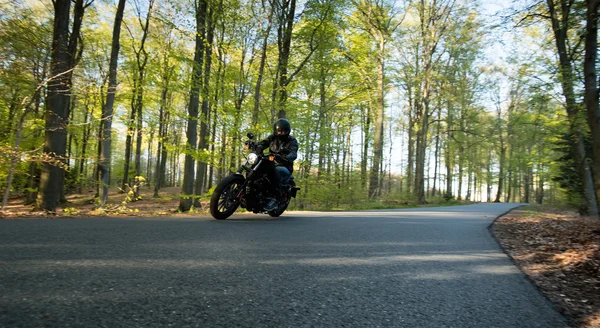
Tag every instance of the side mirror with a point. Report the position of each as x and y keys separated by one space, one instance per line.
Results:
x=250 y=135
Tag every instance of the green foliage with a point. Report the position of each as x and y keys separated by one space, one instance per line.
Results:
x=567 y=176
x=332 y=97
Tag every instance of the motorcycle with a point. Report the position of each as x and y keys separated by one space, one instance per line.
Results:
x=251 y=187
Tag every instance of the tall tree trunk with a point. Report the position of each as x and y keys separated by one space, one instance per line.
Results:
x=284 y=41
x=436 y=152
x=539 y=195
x=461 y=171
x=489 y=177
x=324 y=128
x=591 y=87
x=374 y=187
x=107 y=113
x=100 y=139
x=57 y=103
x=16 y=150
x=527 y=185
x=410 y=162
x=187 y=187
x=138 y=96
x=150 y=159
x=162 y=127
x=204 y=118
x=84 y=144
x=560 y=27
x=128 y=146
x=421 y=148
x=502 y=161
x=261 y=68
x=509 y=179
x=34 y=170
x=449 y=160
x=366 y=140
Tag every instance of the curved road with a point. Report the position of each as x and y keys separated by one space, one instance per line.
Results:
x=428 y=267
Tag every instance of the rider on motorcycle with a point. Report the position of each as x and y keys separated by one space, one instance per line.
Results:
x=285 y=148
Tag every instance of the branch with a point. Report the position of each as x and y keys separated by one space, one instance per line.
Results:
x=311 y=44
x=531 y=16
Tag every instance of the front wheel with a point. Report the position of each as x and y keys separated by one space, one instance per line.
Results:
x=225 y=200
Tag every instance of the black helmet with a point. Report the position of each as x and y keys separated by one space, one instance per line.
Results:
x=283 y=127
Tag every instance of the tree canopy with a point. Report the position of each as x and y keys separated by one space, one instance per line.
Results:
x=392 y=102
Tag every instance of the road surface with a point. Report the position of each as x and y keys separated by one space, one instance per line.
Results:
x=427 y=267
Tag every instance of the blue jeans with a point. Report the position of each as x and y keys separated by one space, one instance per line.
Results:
x=283 y=173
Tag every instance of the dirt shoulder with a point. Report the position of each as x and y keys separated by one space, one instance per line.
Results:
x=560 y=253
x=84 y=205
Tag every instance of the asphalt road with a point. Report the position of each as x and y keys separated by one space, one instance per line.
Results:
x=429 y=267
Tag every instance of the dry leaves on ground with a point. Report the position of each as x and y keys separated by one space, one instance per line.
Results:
x=560 y=252
x=84 y=205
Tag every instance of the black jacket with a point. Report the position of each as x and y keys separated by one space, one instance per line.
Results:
x=287 y=148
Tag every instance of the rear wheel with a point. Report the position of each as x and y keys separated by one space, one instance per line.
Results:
x=225 y=200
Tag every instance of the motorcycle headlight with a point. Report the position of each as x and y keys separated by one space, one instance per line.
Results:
x=252 y=158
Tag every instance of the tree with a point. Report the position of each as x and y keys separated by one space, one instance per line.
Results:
x=591 y=87
x=286 y=15
x=187 y=187
x=560 y=19
x=137 y=101
x=28 y=107
x=64 y=52
x=107 y=112
x=434 y=18
x=380 y=22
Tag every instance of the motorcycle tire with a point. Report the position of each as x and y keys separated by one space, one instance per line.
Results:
x=223 y=202
x=280 y=209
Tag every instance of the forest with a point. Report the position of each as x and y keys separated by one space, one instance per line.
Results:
x=392 y=102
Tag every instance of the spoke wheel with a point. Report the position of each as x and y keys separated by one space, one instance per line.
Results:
x=224 y=200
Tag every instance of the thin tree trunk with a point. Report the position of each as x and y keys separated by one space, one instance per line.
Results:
x=84 y=145
x=489 y=181
x=138 y=94
x=162 y=136
x=187 y=187
x=107 y=115
x=261 y=69
x=436 y=153
x=204 y=118
x=34 y=171
x=323 y=127
x=410 y=162
x=284 y=41
x=366 y=140
x=374 y=187
x=15 y=156
x=540 y=188
x=128 y=146
x=501 y=169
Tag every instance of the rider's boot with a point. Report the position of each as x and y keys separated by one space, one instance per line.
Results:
x=274 y=202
